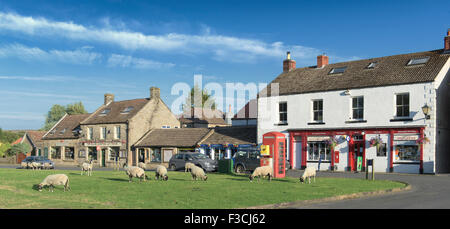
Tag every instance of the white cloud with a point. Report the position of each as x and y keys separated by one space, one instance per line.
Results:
x=40 y=94
x=22 y=116
x=116 y=60
x=224 y=48
x=79 y=56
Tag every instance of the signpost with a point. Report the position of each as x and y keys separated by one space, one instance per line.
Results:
x=370 y=162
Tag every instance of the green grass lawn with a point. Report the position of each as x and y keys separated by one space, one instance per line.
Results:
x=108 y=189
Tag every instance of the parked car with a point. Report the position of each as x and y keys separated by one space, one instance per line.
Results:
x=247 y=159
x=40 y=160
x=178 y=161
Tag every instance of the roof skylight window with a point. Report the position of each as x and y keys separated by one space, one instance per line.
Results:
x=127 y=110
x=372 y=65
x=62 y=131
x=105 y=111
x=416 y=61
x=338 y=70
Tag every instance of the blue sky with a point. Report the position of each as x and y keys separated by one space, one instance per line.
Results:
x=60 y=52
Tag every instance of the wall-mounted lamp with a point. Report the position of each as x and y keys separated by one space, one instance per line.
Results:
x=347 y=92
x=426 y=111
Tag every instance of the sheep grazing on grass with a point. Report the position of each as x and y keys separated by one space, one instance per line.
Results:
x=24 y=165
x=134 y=171
x=55 y=179
x=46 y=165
x=261 y=171
x=308 y=173
x=198 y=172
x=35 y=165
x=188 y=166
x=87 y=168
x=161 y=172
x=142 y=165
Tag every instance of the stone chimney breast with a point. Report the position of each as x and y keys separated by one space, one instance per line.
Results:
x=109 y=98
x=154 y=93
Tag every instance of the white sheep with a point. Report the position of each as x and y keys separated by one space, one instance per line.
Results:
x=161 y=172
x=262 y=171
x=87 y=167
x=55 y=179
x=24 y=165
x=188 y=166
x=142 y=165
x=308 y=173
x=198 y=172
x=134 y=171
x=35 y=165
x=47 y=165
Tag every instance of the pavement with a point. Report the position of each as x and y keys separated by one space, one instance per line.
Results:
x=425 y=192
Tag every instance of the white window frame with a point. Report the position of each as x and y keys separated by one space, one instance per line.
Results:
x=284 y=112
x=117 y=132
x=312 y=110
x=103 y=132
x=351 y=108
x=396 y=106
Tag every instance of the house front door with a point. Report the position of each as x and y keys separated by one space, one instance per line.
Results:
x=103 y=157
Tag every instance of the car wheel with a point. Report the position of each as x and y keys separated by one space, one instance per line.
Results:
x=173 y=167
x=239 y=169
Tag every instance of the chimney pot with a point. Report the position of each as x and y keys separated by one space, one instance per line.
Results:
x=154 y=92
x=447 y=41
x=108 y=98
x=288 y=64
x=322 y=61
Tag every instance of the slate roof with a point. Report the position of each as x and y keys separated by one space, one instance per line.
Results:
x=232 y=135
x=177 y=137
x=35 y=136
x=389 y=70
x=116 y=114
x=63 y=129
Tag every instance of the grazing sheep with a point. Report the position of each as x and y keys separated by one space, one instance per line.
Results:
x=47 y=165
x=24 y=165
x=198 y=172
x=55 y=179
x=161 y=172
x=308 y=173
x=87 y=167
x=142 y=165
x=262 y=171
x=35 y=165
x=188 y=166
x=134 y=171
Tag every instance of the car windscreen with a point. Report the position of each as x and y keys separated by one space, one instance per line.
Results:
x=198 y=156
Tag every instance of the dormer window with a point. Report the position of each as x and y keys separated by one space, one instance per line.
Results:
x=62 y=131
x=372 y=65
x=337 y=70
x=105 y=111
x=417 y=61
x=127 y=110
x=52 y=132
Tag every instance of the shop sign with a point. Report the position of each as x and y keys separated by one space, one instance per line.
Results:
x=91 y=144
x=318 y=138
x=406 y=138
x=359 y=164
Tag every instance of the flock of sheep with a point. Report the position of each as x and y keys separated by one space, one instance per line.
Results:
x=161 y=174
x=34 y=165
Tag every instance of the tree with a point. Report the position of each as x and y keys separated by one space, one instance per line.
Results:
x=58 y=111
x=19 y=148
x=3 y=148
x=193 y=99
x=9 y=136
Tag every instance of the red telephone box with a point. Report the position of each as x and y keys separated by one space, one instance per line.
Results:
x=277 y=147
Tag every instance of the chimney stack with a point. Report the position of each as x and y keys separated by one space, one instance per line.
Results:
x=447 y=42
x=288 y=64
x=109 y=98
x=322 y=61
x=154 y=93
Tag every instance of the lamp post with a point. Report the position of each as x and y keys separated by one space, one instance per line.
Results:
x=426 y=111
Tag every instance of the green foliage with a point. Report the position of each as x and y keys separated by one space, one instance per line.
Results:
x=58 y=111
x=9 y=136
x=19 y=148
x=4 y=147
x=193 y=99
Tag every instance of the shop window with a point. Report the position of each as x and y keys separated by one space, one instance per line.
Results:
x=382 y=150
x=402 y=105
x=69 y=153
x=319 y=150
x=56 y=152
x=156 y=155
x=407 y=153
x=92 y=153
x=113 y=153
x=283 y=112
x=358 y=107
x=318 y=110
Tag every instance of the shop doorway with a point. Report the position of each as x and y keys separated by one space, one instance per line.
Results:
x=103 y=157
x=357 y=151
